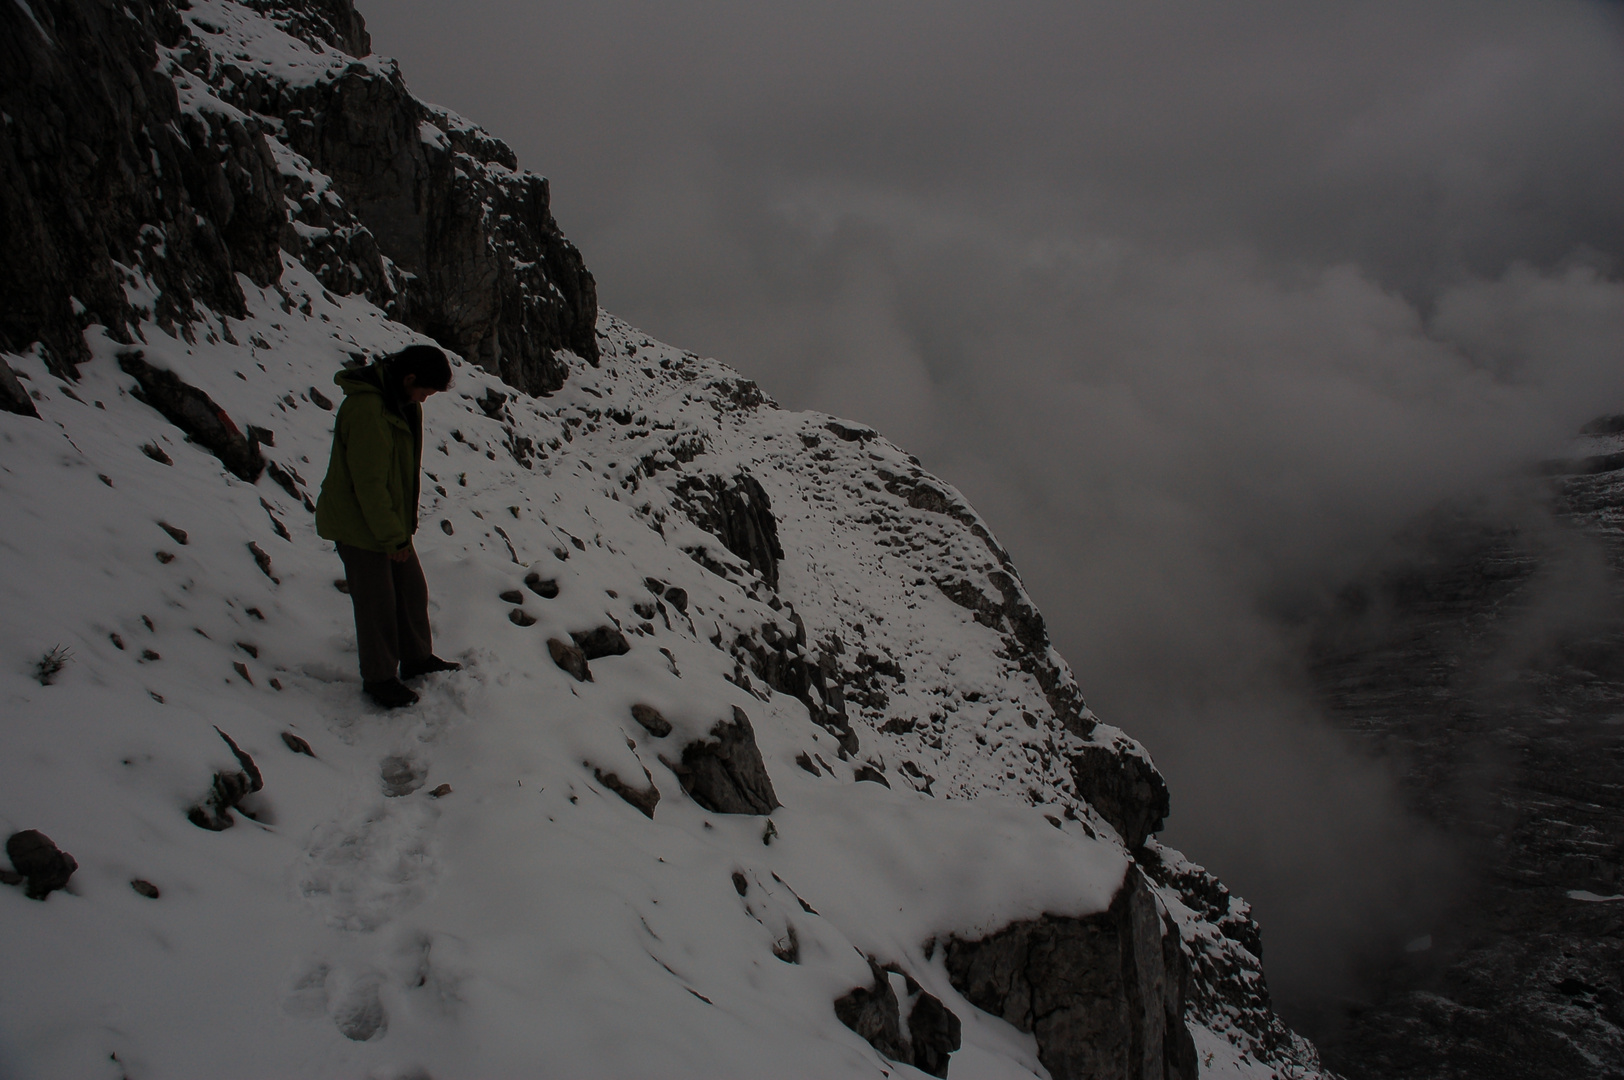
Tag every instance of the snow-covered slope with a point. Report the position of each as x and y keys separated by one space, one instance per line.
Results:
x=465 y=887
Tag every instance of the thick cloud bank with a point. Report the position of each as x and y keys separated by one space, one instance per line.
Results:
x=1199 y=304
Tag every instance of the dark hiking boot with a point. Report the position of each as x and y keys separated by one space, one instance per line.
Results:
x=390 y=693
x=411 y=669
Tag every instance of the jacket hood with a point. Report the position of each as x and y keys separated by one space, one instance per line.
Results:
x=361 y=380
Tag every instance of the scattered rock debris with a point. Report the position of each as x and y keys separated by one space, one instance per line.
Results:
x=651 y=720
x=227 y=791
x=546 y=588
x=296 y=744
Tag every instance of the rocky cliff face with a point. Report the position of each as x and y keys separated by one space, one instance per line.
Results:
x=152 y=152
x=796 y=655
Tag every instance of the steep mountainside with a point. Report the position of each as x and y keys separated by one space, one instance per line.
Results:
x=761 y=762
x=1490 y=659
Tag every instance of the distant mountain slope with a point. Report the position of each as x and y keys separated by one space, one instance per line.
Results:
x=819 y=797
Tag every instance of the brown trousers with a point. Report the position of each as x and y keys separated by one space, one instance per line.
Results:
x=391 y=611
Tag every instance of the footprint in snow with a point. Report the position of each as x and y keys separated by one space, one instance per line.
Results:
x=402 y=775
x=363 y=871
x=359 y=1013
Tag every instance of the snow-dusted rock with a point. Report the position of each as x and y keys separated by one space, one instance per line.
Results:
x=1104 y=994
x=724 y=772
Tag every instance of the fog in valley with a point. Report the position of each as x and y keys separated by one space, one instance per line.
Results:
x=1199 y=305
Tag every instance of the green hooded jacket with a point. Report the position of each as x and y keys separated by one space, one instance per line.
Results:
x=369 y=498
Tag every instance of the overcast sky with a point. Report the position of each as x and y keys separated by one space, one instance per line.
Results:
x=1197 y=303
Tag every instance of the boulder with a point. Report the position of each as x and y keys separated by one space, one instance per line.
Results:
x=604 y=641
x=570 y=658
x=651 y=720
x=1103 y=994
x=13 y=398
x=725 y=773
x=40 y=864
x=870 y=774
x=296 y=744
x=546 y=588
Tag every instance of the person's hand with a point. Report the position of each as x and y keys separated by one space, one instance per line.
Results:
x=402 y=555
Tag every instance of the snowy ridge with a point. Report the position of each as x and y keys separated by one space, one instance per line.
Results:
x=456 y=889
x=529 y=915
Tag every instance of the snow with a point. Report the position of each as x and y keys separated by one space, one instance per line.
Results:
x=529 y=915
x=1592 y=898
x=255 y=45
x=433 y=136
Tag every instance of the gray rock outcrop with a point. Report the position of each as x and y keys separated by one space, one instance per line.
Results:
x=194 y=412
x=600 y=642
x=724 y=773
x=105 y=177
x=107 y=181
x=1125 y=788
x=1104 y=994
x=739 y=514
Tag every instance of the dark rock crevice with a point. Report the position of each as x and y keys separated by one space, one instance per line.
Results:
x=739 y=514
x=194 y=412
x=918 y=1030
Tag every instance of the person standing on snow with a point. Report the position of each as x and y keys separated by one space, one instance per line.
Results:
x=368 y=507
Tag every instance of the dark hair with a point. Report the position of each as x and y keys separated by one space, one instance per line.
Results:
x=428 y=365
